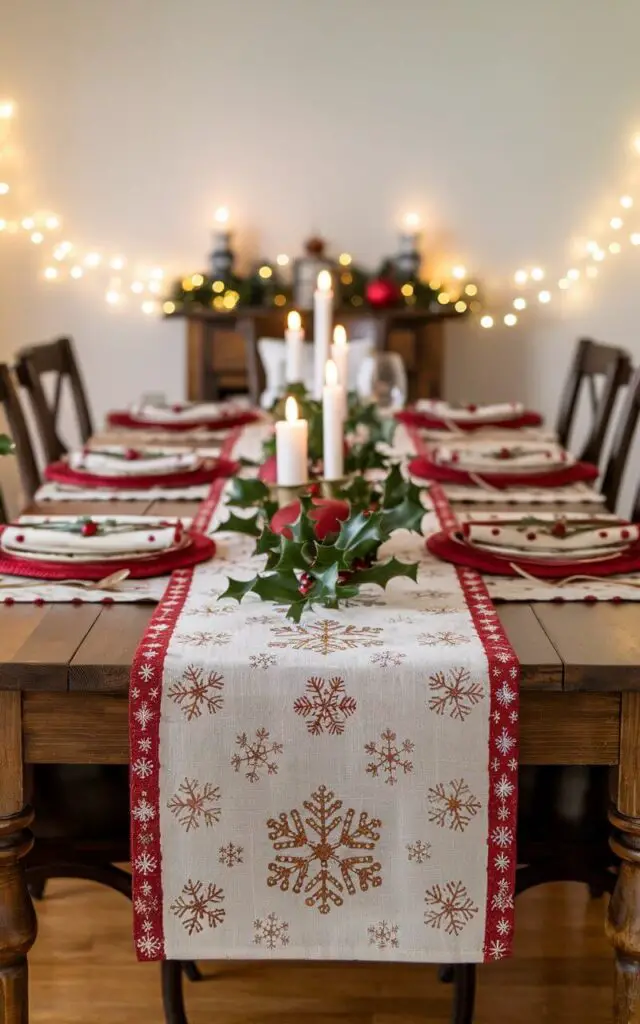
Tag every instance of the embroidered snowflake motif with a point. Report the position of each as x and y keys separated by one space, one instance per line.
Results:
x=144 y=715
x=366 y=600
x=256 y=755
x=387 y=659
x=503 y=813
x=145 y=744
x=502 y=862
x=261 y=620
x=148 y=945
x=389 y=757
x=325 y=705
x=418 y=852
x=198 y=691
x=505 y=742
x=271 y=932
x=504 y=787
x=202 y=639
x=384 y=935
x=320 y=856
x=445 y=638
x=145 y=672
x=143 y=811
x=195 y=803
x=230 y=855
x=497 y=949
x=454 y=693
x=502 y=836
x=142 y=767
x=451 y=907
x=145 y=864
x=264 y=661
x=134 y=693
x=145 y=906
x=503 y=927
x=198 y=905
x=326 y=637
x=503 y=898
x=453 y=805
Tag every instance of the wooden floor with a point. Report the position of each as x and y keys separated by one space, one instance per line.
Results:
x=84 y=972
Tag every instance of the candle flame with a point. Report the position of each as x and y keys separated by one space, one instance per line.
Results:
x=291 y=409
x=324 y=281
x=221 y=215
x=339 y=335
x=294 y=320
x=330 y=374
x=411 y=220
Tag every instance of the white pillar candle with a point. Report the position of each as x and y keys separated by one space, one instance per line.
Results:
x=292 y=444
x=322 y=317
x=333 y=399
x=340 y=356
x=294 y=337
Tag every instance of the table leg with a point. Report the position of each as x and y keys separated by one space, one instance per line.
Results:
x=623 y=918
x=17 y=917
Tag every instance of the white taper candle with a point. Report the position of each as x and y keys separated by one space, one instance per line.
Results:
x=322 y=322
x=333 y=398
x=292 y=444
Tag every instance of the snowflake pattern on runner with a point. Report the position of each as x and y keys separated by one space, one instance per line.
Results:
x=271 y=932
x=264 y=661
x=384 y=935
x=198 y=690
x=326 y=637
x=453 y=805
x=148 y=944
x=445 y=638
x=387 y=659
x=454 y=693
x=418 y=852
x=230 y=855
x=203 y=639
x=503 y=898
x=325 y=705
x=389 y=757
x=450 y=906
x=257 y=754
x=199 y=904
x=196 y=803
x=319 y=856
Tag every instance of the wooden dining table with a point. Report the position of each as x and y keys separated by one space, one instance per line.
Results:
x=64 y=677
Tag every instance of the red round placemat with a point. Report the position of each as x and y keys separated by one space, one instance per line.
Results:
x=61 y=473
x=451 y=546
x=413 y=418
x=201 y=549
x=579 y=472
x=131 y=422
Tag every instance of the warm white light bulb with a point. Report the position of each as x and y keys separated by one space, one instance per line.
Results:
x=137 y=287
x=291 y=410
x=592 y=246
x=510 y=319
x=339 y=335
x=282 y=259
x=544 y=297
x=76 y=273
x=51 y=223
x=626 y=202
x=157 y=274
x=636 y=143
x=37 y=238
x=221 y=215
x=593 y=271
x=330 y=373
x=412 y=220
x=7 y=109
x=598 y=255
x=635 y=238
x=50 y=273
x=573 y=274
x=486 y=321
x=28 y=223
x=537 y=273
x=148 y=307
x=616 y=223
x=459 y=272
x=3 y=225
x=324 y=281
x=117 y=263
x=294 y=320
x=520 y=277
x=345 y=259
x=4 y=188
x=615 y=248
x=92 y=259
x=155 y=287
x=112 y=297
x=564 y=283
x=520 y=303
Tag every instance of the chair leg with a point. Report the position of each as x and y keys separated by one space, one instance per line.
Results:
x=445 y=974
x=464 y=993
x=172 y=994
x=192 y=971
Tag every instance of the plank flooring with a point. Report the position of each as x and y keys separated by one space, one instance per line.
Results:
x=83 y=971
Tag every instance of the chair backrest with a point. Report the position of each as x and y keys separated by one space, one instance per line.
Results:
x=593 y=360
x=19 y=432
x=621 y=446
x=58 y=358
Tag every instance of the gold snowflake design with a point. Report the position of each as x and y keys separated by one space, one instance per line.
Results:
x=195 y=803
x=388 y=757
x=199 y=904
x=315 y=853
x=445 y=638
x=256 y=754
x=325 y=705
x=450 y=907
x=326 y=637
x=454 y=693
x=453 y=805
x=196 y=691
x=230 y=855
x=384 y=935
x=271 y=932
x=418 y=852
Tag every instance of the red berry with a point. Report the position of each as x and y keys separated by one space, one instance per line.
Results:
x=617 y=599
x=107 y=600
x=603 y=533
x=77 y=600
x=623 y=533
x=131 y=455
x=151 y=538
x=590 y=599
x=9 y=600
x=89 y=529
x=39 y=601
x=20 y=538
x=531 y=535
x=495 y=532
x=559 y=529
x=504 y=453
x=178 y=407
x=472 y=408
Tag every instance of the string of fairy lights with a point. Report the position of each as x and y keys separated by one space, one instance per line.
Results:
x=126 y=281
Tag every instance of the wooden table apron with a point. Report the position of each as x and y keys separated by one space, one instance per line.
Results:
x=64 y=675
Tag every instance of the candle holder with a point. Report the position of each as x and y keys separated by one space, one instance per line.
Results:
x=285 y=495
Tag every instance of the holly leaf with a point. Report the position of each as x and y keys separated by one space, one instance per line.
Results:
x=381 y=572
x=290 y=556
x=279 y=587
x=240 y=524
x=6 y=445
x=247 y=492
x=267 y=542
x=326 y=555
x=359 y=535
x=395 y=487
x=236 y=589
x=407 y=515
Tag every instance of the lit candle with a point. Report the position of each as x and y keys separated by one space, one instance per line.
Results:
x=322 y=317
x=408 y=259
x=340 y=356
x=333 y=399
x=294 y=338
x=221 y=255
x=292 y=444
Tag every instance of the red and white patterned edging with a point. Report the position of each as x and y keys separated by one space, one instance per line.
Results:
x=145 y=697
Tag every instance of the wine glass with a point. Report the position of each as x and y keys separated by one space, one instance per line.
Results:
x=382 y=379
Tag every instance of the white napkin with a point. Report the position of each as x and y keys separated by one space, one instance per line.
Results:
x=494 y=456
x=470 y=413
x=193 y=412
x=533 y=534
x=105 y=463
x=24 y=539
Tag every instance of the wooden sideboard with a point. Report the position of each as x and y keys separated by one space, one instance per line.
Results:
x=222 y=351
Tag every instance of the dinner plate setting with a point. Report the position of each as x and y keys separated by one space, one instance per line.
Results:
x=136 y=468
x=183 y=416
x=500 y=464
x=435 y=414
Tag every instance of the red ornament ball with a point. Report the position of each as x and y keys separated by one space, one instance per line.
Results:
x=89 y=529
x=382 y=292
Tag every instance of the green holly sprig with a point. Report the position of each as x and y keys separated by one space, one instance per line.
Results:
x=7 y=447
x=301 y=570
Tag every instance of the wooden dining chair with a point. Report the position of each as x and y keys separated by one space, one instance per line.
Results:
x=621 y=447
x=33 y=365
x=594 y=365
x=19 y=433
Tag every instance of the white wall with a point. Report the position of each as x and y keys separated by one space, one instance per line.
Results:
x=506 y=124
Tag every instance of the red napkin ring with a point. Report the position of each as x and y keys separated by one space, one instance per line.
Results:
x=579 y=472
x=131 y=422
x=413 y=418
x=201 y=549
x=62 y=473
x=450 y=546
